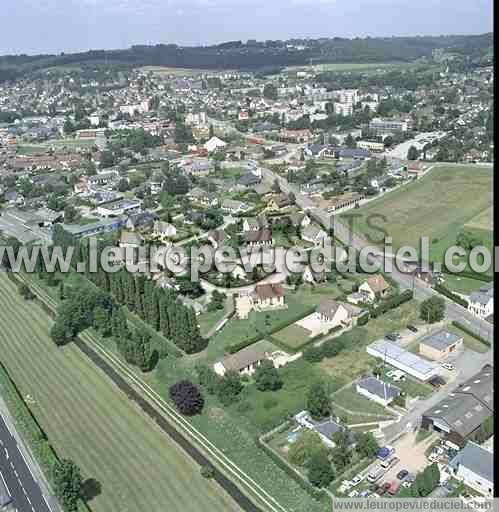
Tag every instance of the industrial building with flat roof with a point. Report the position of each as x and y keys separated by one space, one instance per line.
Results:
x=403 y=360
x=440 y=344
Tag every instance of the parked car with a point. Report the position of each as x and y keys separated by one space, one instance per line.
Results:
x=353 y=494
x=406 y=484
x=437 y=381
x=402 y=474
x=356 y=480
x=448 y=366
x=391 y=336
x=412 y=328
x=365 y=494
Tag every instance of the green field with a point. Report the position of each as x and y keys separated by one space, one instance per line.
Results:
x=439 y=206
x=462 y=284
x=88 y=420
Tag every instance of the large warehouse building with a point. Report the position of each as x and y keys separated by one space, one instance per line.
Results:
x=459 y=415
x=403 y=360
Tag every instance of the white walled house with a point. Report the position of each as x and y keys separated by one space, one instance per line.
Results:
x=481 y=302
x=377 y=390
x=374 y=287
x=246 y=361
x=474 y=466
x=336 y=314
x=214 y=144
x=164 y=229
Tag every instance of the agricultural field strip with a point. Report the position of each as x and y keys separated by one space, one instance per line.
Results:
x=88 y=450
x=186 y=427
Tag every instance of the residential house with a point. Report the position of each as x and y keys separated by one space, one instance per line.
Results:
x=164 y=229
x=249 y=180
x=245 y=362
x=309 y=276
x=130 y=239
x=314 y=235
x=214 y=144
x=375 y=287
x=255 y=223
x=261 y=237
x=335 y=313
x=439 y=345
x=234 y=207
x=300 y=136
x=278 y=201
x=301 y=220
x=202 y=197
x=198 y=168
x=217 y=238
x=267 y=296
x=325 y=428
x=481 y=302
x=428 y=277
x=140 y=221
x=474 y=466
x=377 y=390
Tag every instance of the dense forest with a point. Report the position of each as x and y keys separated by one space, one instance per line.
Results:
x=259 y=55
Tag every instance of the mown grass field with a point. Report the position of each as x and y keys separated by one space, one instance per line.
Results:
x=439 y=205
x=293 y=336
x=88 y=420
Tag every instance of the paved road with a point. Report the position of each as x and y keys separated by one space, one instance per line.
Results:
x=344 y=234
x=470 y=363
x=24 y=489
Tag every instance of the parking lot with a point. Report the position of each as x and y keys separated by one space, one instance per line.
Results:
x=412 y=456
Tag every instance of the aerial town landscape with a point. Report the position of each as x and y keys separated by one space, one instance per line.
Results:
x=258 y=388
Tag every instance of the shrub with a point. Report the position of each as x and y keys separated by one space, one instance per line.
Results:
x=207 y=471
x=187 y=398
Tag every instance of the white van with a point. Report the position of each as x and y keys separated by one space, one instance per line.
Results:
x=388 y=463
x=376 y=473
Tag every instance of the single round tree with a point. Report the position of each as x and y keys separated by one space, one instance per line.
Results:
x=267 y=377
x=320 y=471
x=432 y=310
x=318 y=403
x=68 y=483
x=187 y=397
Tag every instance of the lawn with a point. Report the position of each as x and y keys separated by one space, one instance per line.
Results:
x=293 y=336
x=88 y=420
x=209 y=319
x=411 y=387
x=452 y=196
x=348 y=398
x=355 y=361
x=236 y=330
x=265 y=410
x=461 y=284
x=469 y=341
